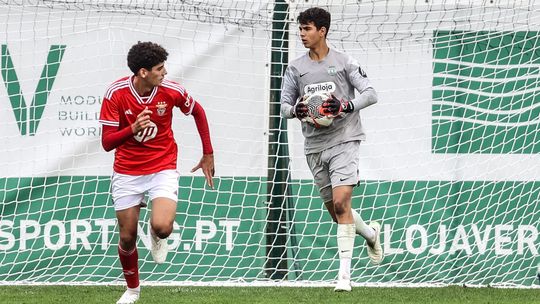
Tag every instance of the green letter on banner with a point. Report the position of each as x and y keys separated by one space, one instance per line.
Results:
x=28 y=125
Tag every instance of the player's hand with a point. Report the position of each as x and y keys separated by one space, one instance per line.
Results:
x=207 y=166
x=142 y=122
x=300 y=109
x=334 y=106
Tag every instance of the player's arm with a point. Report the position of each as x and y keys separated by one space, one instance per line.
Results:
x=207 y=161
x=366 y=97
x=112 y=137
x=358 y=78
x=291 y=105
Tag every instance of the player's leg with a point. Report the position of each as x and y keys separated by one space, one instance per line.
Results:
x=163 y=215
x=330 y=208
x=163 y=193
x=322 y=180
x=372 y=234
x=343 y=167
x=128 y=194
x=345 y=235
x=343 y=164
x=362 y=228
x=127 y=252
x=374 y=247
x=161 y=226
x=319 y=167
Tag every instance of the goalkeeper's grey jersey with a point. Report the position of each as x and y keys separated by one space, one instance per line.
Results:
x=339 y=74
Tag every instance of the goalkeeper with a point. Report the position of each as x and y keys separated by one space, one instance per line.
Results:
x=136 y=115
x=332 y=152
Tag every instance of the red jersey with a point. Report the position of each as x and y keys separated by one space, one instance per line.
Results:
x=154 y=148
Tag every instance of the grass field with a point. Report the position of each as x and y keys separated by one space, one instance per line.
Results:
x=269 y=295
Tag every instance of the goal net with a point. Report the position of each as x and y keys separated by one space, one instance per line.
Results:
x=451 y=167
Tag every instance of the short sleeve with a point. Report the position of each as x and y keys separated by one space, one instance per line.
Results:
x=185 y=103
x=109 y=113
x=181 y=97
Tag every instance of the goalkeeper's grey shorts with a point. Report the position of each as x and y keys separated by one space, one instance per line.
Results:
x=336 y=166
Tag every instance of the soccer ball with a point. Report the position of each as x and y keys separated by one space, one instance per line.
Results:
x=316 y=115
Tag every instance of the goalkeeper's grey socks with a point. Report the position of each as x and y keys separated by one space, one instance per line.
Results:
x=345 y=242
x=361 y=228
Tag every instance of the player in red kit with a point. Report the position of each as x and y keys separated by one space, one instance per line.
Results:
x=136 y=115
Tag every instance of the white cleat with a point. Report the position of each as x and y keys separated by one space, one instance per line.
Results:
x=374 y=248
x=129 y=297
x=343 y=285
x=159 y=249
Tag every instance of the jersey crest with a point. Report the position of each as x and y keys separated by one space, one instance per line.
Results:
x=161 y=108
x=332 y=71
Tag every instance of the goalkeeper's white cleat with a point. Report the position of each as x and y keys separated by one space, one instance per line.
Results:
x=343 y=285
x=374 y=248
x=130 y=296
x=159 y=249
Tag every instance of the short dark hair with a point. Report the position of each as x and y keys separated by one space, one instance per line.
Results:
x=319 y=17
x=145 y=55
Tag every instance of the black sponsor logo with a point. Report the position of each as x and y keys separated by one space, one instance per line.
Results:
x=362 y=72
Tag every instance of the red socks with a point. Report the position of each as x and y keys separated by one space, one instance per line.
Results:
x=129 y=261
